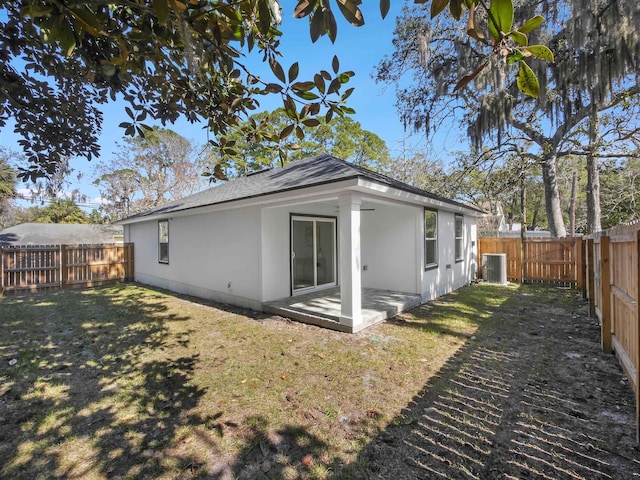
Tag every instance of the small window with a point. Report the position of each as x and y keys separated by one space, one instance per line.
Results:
x=430 y=239
x=163 y=241
x=459 y=238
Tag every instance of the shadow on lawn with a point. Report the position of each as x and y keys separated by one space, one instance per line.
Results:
x=288 y=452
x=530 y=396
x=83 y=383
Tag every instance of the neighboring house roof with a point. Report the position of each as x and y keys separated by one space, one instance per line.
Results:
x=59 y=234
x=318 y=170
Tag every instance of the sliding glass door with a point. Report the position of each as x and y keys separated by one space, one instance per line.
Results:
x=313 y=252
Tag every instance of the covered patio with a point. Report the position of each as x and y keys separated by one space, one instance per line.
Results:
x=323 y=308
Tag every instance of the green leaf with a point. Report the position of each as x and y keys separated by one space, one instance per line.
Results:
x=293 y=72
x=347 y=94
x=351 y=12
x=286 y=131
x=273 y=88
x=464 y=81
x=531 y=24
x=304 y=8
x=437 y=6
x=311 y=122
x=330 y=25
x=455 y=7
x=290 y=108
x=264 y=18
x=317 y=28
x=344 y=77
x=161 y=7
x=384 y=7
x=318 y=80
x=277 y=70
x=88 y=20
x=299 y=133
x=67 y=38
x=527 y=81
x=35 y=11
x=328 y=116
x=334 y=86
x=335 y=64
x=303 y=86
x=307 y=95
x=519 y=37
x=514 y=56
x=541 y=51
x=502 y=13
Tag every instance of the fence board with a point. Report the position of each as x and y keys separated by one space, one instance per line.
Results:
x=44 y=267
x=553 y=260
x=615 y=298
x=510 y=246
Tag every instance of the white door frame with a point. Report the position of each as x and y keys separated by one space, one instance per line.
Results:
x=315 y=219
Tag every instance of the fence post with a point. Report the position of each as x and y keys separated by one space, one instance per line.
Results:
x=63 y=266
x=521 y=270
x=605 y=280
x=1 y=271
x=590 y=278
x=130 y=263
x=579 y=263
x=637 y=359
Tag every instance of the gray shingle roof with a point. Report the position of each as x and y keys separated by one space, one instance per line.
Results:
x=57 y=234
x=318 y=170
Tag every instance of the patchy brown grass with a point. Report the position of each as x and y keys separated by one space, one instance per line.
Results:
x=130 y=382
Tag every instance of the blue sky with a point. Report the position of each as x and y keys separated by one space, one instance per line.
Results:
x=359 y=49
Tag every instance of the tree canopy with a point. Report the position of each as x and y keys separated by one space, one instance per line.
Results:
x=61 y=60
x=596 y=48
x=149 y=171
x=343 y=137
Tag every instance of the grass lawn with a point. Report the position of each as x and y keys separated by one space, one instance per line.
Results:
x=132 y=382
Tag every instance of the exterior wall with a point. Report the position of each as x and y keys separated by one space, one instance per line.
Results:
x=450 y=275
x=276 y=246
x=242 y=256
x=391 y=243
x=214 y=256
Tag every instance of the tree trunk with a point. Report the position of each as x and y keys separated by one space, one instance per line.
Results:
x=594 y=213
x=572 y=205
x=552 y=196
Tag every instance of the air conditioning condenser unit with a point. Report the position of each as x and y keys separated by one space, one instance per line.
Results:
x=494 y=268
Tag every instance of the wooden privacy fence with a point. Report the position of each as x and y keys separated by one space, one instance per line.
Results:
x=42 y=267
x=613 y=262
x=553 y=260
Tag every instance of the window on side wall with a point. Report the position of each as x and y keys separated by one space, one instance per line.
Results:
x=163 y=241
x=459 y=238
x=430 y=239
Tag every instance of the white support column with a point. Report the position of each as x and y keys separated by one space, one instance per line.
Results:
x=350 y=262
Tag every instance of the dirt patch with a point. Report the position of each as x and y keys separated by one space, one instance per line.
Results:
x=530 y=396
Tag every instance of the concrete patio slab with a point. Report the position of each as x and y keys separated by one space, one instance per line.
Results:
x=322 y=308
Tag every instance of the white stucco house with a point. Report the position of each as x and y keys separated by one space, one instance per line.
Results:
x=319 y=240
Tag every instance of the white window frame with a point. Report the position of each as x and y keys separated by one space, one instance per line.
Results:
x=161 y=258
x=459 y=235
x=434 y=239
